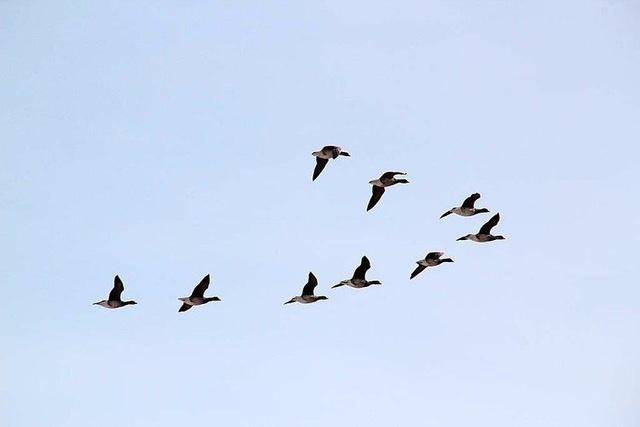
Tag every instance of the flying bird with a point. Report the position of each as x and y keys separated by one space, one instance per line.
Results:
x=467 y=208
x=307 y=296
x=359 y=280
x=114 y=300
x=197 y=296
x=484 y=235
x=386 y=180
x=431 y=260
x=323 y=156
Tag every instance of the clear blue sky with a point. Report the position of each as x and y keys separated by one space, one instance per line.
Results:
x=164 y=140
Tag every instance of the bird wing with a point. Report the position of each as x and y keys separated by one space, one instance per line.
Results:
x=486 y=228
x=434 y=255
x=361 y=271
x=198 y=291
x=389 y=175
x=310 y=286
x=419 y=269
x=447 y=213
x=320 y=164
x=118 y=287
x=377 y=193
x=471 y=200
x=184 y=307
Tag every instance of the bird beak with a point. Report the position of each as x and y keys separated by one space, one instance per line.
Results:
x=96 y=303
x=288 y=302
x=462 y=238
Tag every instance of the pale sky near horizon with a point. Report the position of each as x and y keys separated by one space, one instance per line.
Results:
x=162 y=141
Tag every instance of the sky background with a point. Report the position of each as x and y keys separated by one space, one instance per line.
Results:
x=164 y=140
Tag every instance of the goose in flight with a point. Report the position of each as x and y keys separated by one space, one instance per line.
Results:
x=307 y=296
x=386 y=180
x=484 y=235
x=197 y=296
x=114 y=300
x=359 y=280
x=431 y=260
x=467 y=208
x=323 y=156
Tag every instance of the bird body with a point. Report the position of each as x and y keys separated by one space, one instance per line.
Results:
x=197 y=296
x=115 y=300
x=306 y=299
x=307 y=296
x=431 y=260
x=323 y=156
x=198 y=300
x=387 y=179
x=468 y=207
x=484 y=235
x=462 y=211
x=114 y=304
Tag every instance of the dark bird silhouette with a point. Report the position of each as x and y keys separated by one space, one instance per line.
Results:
x=386 y=180
x=431 y=260
x=114 y=300
x=307 y=296
x=467 y=208
x=197 y=296
x=484 y=235
x=359 y=276
x=323 y=156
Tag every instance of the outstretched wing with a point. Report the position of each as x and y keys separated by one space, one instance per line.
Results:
x=184 y=307
x=419 y=269
x=320 y=164
x=471 y=200
x=389 y=175
x=310 y=286
x=434 y=255
x=361 y=271
x=486 y=228
x=377 y=193
x=198 y=291
x=118 y=287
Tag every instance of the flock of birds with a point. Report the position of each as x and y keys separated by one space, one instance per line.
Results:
x=358 y=280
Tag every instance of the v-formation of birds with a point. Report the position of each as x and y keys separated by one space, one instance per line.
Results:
x=358 y=280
